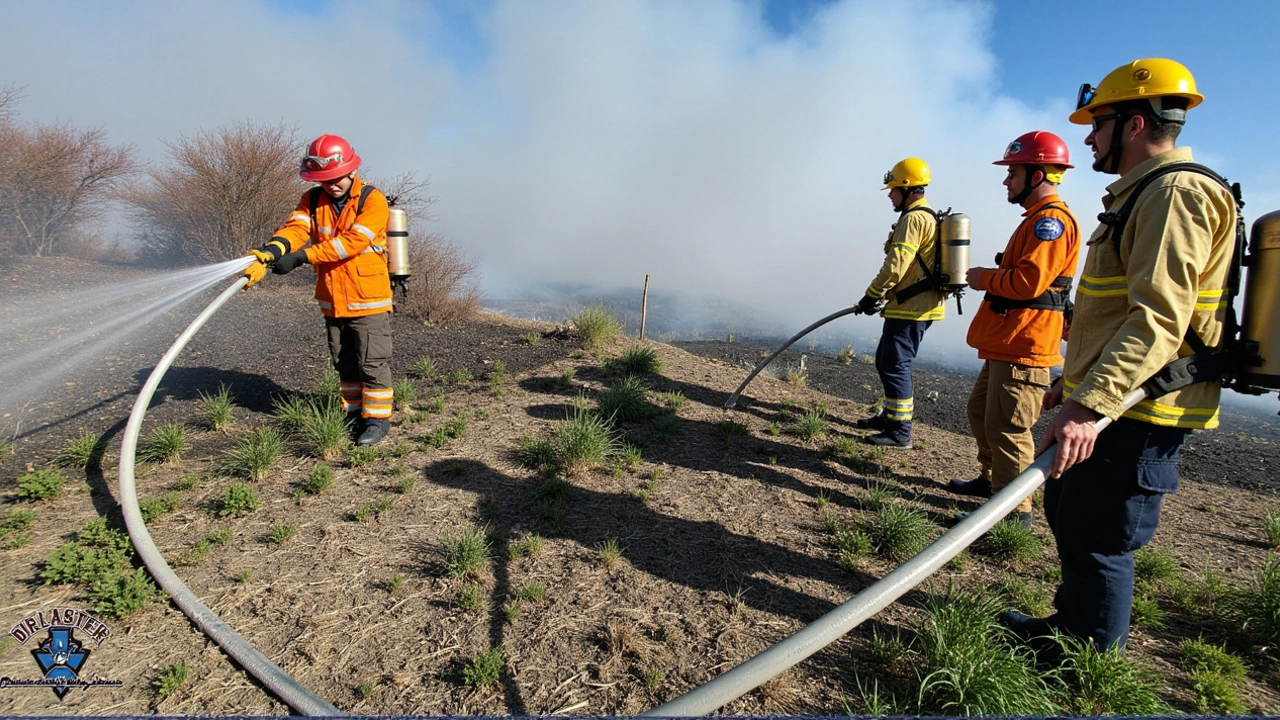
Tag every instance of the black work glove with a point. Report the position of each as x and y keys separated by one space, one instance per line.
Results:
x=867 y=305
x=290 y=262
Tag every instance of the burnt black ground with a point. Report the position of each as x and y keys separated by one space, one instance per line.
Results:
x=1241 y=452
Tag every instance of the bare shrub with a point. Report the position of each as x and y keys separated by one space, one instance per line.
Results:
x=444 y=287
x=54 y=180
x=221 y=193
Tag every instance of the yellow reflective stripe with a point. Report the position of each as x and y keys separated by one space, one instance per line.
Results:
x=937 y=313
x=875 y=293
x=1117 y=286
x=906 y=246
x=1158 y=413
x=1211 y=299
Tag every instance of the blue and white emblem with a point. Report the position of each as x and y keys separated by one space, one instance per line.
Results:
x=1048 y=228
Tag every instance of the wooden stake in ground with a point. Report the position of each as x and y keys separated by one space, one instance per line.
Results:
x=644 y=305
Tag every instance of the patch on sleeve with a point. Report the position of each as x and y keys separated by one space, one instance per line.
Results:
x=1049 y=228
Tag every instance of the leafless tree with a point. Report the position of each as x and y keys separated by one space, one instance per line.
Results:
x=444 y=287
x=222 y=192
x=55 y=180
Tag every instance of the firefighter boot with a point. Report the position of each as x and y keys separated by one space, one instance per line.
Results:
x=375 y=429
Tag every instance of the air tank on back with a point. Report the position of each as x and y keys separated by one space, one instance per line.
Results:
x=955 y=251
x=1260 y=329
x=398 y=244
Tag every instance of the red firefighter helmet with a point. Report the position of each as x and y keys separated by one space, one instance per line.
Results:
x=1036 y=148
x=328 y=157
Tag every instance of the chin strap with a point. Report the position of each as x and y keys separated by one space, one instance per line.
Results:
x=1026 y=191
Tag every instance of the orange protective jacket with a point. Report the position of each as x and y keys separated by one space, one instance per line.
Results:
x=347 y=249
x=1045 y=247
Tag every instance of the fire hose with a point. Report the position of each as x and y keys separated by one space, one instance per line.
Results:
x=835 y=624
x=733 y=399
x=268 y=673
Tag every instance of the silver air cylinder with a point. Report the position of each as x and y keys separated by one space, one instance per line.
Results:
x=1261 y=325
x=398 y=244
x=955 y=250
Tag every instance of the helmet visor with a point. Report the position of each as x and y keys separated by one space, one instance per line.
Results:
x=314 y=162
x=1086 y=95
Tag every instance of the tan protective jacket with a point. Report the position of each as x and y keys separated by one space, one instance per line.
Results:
x=1133 y=308
x=914 y=234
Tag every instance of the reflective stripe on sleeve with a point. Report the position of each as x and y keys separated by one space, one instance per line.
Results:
x=301 y=217
x=1116 y=286
x=338 y=248
x=364 y=231
x=1210 y=300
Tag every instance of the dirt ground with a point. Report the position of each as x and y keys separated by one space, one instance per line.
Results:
x=723 y=553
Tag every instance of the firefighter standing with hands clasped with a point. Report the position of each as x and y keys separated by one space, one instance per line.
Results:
x=1019 y=327
x=340 y=227
x=1151 y=291
x=911 y=302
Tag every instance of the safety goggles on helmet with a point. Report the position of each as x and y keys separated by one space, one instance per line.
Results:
x=888 y=177
x=313 y=162
x=1086 y=95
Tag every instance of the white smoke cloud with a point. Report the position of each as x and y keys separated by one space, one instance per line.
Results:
x=591 y=142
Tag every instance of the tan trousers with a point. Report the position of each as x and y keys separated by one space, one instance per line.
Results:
x=1003 y=406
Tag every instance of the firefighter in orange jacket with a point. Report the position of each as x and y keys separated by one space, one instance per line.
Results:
x=1019 y=327
x=340 y=227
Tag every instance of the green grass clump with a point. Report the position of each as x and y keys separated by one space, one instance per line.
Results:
x=531 y=338
x=120 y=595
x=1026 y=596
x=323 y=430
x=732 y=431
x=595 y=326
x=14 y=526
x=810 y=427
x=217 y=409
x=393 y=584
x=319 y=480
x=202 y=546
x=968 y=668
x=1257 y=606
x=584 y=442
x=405 y=484
x=1010 y=540
x=1107 y=683
x=529 y=546
x=85 y=451
x=237 y=499
x=100 y=560
x=626 y=401
x=846 y=355
x=187 y=482
x=282 y=533
x=469 y=598
x=460 y=376
x=900 y=531
x=6 y=449
x=362 y=455
x=531 y=593
x=1216 y=677
x=447 y=431
x=1146 y=611
x=1155 y=566
x=424 y=369
x=404 y=394
x=886 y=650
x=637 y=360
x=330 y=384
x=40 y=485
x=155 y=507
x=673 y=401
x=610 y=553
x=171 y=678
x=254 y=454
x=485 y=668
x=854 y=546
x=166 y=443
x=1271 y=529
x=537 y=454
x=466 y=554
